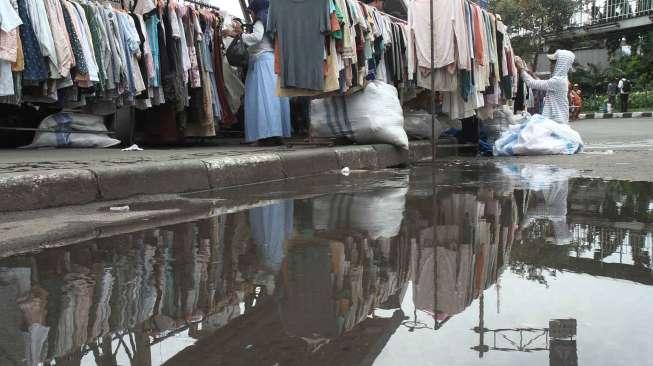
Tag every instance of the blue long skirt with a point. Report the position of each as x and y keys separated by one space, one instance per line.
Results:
x=266 y=114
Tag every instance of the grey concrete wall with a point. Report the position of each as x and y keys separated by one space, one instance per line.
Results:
x=596 y=56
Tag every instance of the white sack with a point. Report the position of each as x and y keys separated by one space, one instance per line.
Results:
x=66 y=124
x=539 y=136
x=373 y=116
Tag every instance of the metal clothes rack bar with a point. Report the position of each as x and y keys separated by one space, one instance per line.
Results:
x=386 y=14
x=202 y=3
x=433 y=102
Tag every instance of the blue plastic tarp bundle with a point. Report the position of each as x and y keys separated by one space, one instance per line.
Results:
x=538 y=136
x=485 y=147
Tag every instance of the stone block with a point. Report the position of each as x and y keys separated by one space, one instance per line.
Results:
x=357 y=157
x=420 y=151
x=390 y=156
x=38 y=190
x=301 y=163
x=181 y=176
x=245 y=169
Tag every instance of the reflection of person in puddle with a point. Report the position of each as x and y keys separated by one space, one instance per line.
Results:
x=550 y=204
x=34 y=308
x=24 y=332
x=270 y=227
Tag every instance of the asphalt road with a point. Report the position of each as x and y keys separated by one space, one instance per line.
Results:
x=621 y=134
x=614 y=149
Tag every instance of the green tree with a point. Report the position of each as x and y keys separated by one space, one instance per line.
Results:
x=530 y=20
x=639 y=66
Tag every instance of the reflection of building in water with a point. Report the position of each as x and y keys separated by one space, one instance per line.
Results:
x=559 y=339
x=611 y=233
x=613 y=221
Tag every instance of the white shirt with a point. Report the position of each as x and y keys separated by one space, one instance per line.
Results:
x=621 y=86
x=257 y=42
x=144 y=7
x=450 y=32
x=556 y=101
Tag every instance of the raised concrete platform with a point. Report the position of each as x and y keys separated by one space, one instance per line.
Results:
x=32 y=180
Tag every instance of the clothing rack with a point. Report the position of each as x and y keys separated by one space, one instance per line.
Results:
x=203 y=4
x=388 y=15
x=393 y=17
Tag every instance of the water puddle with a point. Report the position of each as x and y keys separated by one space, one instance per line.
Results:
x=493 y=265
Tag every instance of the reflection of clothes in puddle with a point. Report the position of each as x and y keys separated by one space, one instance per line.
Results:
x=464 y=261
x=99 y=323
x=19 y=346
x=453 y=283
x=270 y=228
x=308 y=306
x=76 y=299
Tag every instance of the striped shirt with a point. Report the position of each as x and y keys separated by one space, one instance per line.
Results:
x=556 y=101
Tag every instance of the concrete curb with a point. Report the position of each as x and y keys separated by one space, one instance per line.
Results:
x=615 y=115
x=39 y=190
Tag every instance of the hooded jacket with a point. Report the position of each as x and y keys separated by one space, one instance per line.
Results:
x=556 y=101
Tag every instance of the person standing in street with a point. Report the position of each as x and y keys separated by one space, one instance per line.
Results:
x=556 y=101
x=267 y=116
x=612 y=95
x=624 y=92
x=576 y=101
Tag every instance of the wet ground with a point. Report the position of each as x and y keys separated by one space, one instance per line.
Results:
x=495 y=264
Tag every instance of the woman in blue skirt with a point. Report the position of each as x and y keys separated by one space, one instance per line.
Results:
x=267 y=116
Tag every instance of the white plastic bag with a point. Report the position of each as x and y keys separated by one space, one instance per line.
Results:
x=418 y=125
x=66 y=124
x=500 y=123
x=539 y=136
x=369 y=117
x=378 y=214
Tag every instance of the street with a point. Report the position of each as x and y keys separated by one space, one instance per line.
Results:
x=614 y=149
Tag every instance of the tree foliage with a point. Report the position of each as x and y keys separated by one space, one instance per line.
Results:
x=637 y=67
x=530 y=20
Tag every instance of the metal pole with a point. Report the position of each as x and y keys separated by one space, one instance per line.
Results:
x=433 y=120
x=436 y=325
x=243 y=7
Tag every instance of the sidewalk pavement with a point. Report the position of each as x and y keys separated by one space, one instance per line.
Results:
x=38 y=179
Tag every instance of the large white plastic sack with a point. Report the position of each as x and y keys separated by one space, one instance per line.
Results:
x=373 y=116
x=538 y=136
x=418 y=125
x=66 y=124
x=498 y=124
x=378 y=214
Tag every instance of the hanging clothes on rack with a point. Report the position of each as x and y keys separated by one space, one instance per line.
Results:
x=474 y=62
x=90 y=55
x=344 y=45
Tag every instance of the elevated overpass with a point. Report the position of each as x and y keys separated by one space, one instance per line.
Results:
x=598 y=20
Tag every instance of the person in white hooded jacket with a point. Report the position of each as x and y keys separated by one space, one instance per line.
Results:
x=556 y=101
